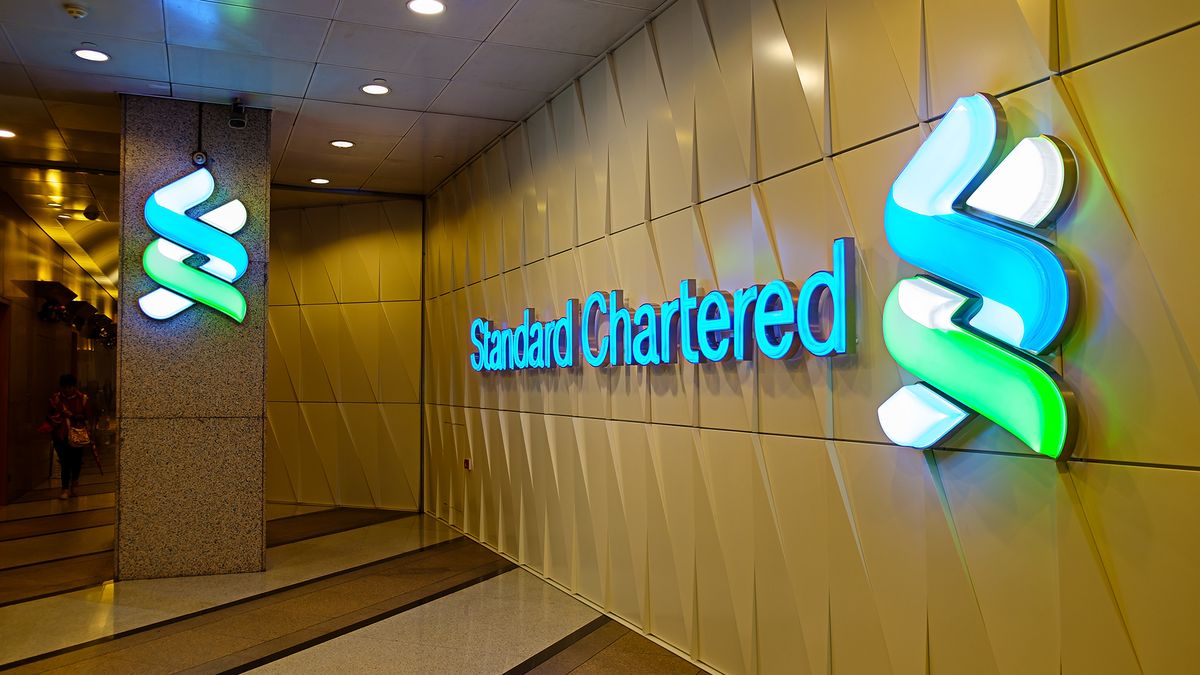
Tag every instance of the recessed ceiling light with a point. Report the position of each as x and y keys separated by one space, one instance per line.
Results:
x=54 y=205
x=426 y=6
x=5 y=133
x=64 y=216
x=318 y=181
x=377 y=87
x=342 y=144
x=88 y=52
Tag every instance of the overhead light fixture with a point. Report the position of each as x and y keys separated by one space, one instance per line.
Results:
x=88 y=52
x=426 y=6
x=54 y=205
x=377 y=87
x=5 y=133
x=319 y=181
x=342 y=144
x=63 y=216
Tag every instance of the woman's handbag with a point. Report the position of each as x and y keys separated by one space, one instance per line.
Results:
x=78 y=437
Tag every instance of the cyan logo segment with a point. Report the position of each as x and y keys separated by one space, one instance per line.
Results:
x=777 y=319
x=180 y=238
x=997 y=294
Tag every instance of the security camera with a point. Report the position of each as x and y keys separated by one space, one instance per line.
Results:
x=237 y=115
x=91 y=213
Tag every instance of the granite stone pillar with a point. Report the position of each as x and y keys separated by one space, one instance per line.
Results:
x=191 y=386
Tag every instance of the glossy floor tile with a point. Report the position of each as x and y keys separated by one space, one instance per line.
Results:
x=486 y=628
x=58 y=545
x=31 y=628
x=49 y=507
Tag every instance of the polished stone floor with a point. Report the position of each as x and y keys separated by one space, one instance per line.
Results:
x=408 y=595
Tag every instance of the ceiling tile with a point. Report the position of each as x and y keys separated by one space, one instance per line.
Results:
x=279 y=104
x=14 y=81
x=640 y=4
x=362 y=118
x=83 y=140
x=472 y=19
x=7 y=55
x=64 y=85
x=339 y=83
x=46 y=48
x=577 y=26
x=521 y=67
x=211 y=25
x=314 y=138
x=407 y=177
x=85 y=117
x=487 y=100
x=396 y=51
x=108 y=161
x=321 y=8
x=239 y=72
x=137 y=19
x=453 y=137
x=343 y=172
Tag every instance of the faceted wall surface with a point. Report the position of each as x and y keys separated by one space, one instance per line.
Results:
x=753 y=515
x=191 y=388
x=344 y=356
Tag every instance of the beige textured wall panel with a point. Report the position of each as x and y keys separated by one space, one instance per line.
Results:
x=979 y=45
x=867 y=93
x=357 y=244
x=1152 y=170
x=591 y=507
x=627 y=501
x=557 y=489
x=282 y=462
x=400 y=352
x=320 y=330
x=785 y=134
x=1145 y=524
x=283 y=268
x=351 y=361
x=1090 y=29
x=671 y=534
x=359 y=352
x=528 y=460
x=283 y=353
x=791 y=569
x=673 y=139
x=400 y=253
x=725 y=548
x=753 y=515
x=321 y=270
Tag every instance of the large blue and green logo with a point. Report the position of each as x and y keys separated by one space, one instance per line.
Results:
x=997 y=298
x=193 y=260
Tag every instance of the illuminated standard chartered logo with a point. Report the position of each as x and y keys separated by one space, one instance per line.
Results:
x=776 y=319
x=997 y=295
x=180 y=238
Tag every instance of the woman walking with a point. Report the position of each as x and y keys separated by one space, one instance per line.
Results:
x=70 y=420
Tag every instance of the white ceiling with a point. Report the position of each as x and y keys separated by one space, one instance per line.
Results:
x=458 y=81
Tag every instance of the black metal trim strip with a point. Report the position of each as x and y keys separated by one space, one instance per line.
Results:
x=559 y=647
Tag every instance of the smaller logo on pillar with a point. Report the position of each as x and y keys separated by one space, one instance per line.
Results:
x=997 y=296
x=195 y=261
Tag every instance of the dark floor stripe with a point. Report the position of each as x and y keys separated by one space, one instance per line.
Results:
x=497 y=568
x=73 y=556
x=54 y=578
x=45 y=494
x=216 y=608
x=558 y=647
